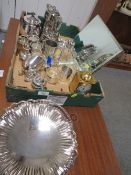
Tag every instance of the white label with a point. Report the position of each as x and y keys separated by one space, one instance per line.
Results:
x=1 y=73
x=43 y=93
x=60 y=100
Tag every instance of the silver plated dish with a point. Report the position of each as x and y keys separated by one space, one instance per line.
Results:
x=36 y=138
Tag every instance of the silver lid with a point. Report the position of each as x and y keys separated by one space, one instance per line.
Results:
x=32 y=19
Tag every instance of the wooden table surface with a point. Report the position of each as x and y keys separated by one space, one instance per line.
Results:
x=96 y=155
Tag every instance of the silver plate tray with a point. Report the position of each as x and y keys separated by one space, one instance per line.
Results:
x=36 y=138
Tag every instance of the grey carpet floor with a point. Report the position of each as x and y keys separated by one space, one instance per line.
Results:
x=116 y=108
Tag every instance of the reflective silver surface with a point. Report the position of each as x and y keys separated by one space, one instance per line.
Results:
x=38 y=82
x=22 y=40
x=65 y=73
x=68 y=43
x=33 y=61
x=31 y=24
x=30 y=74
x=36 y=138
x=52 y=23
x=33 y=38
x=83 y=88
x=36 y=47
x=50 y=48
x=32 y=19
x=24 y=53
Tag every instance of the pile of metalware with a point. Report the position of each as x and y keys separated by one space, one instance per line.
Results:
x=49 y=60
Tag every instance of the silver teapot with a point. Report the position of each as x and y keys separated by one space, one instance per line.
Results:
x=31 y=24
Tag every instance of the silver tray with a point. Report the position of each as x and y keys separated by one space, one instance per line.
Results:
x=36 y=138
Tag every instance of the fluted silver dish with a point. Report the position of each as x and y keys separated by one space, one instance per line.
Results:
x=36 y=138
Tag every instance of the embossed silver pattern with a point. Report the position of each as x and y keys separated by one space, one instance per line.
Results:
x=36 y=138
x=52 y=24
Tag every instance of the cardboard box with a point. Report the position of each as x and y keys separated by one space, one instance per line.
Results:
x=95 y=33
x=16 y=93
